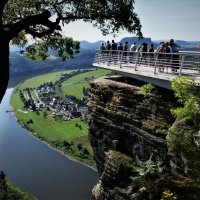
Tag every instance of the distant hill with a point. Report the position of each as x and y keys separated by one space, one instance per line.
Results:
x=89 y=45
x=136 y=40
x=185 y=45
x=22 y=68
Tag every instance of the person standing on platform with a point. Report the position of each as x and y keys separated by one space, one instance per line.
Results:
x=102 y=49
x=125 y=53
x=114 y=51
x=133 y=49
x=151 y=55
x=175 y=57
x=108 y=48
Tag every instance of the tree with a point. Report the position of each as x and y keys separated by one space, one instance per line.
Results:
x=42 y=20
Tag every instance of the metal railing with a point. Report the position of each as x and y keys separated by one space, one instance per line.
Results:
x=180 y=63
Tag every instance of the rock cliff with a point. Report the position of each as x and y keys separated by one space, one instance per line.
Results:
x=127 y=130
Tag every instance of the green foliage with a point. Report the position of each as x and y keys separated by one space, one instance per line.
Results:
x=120 y=160
x=45 y=114
x=148 y=167
x=147 y=89
x=66 y=48
x=10 y=191
x=32 y=17
x=79 y=146
x=188 y=95
x=14 y=192
x=42 y=21
x=167 y=195
x=183 y=143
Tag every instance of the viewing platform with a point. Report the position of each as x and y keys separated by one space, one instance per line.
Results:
x=156 y=68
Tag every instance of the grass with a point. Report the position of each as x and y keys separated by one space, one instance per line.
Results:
x=56 y=131
x=38 y=80
x=52 y=130
x=84 y=141
x=75 y=89
x=79 y=81
x=16 y=101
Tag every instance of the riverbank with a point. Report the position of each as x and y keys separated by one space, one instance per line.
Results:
x=9 y=190
x=69 y=156
x=38 y=169
x=69 y=137
x=57 y=146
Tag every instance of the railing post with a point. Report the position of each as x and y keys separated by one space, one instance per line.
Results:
x=182 y=61
x=156 y=61
x=121 y=57
x=136 y=61
x=98 y=56
x=109 y=57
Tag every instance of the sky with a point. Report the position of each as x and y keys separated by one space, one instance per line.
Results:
x=160 y=19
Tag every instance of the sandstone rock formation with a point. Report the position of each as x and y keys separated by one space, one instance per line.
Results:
x=128 y=132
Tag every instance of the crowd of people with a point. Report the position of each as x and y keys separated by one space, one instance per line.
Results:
x=165 y=52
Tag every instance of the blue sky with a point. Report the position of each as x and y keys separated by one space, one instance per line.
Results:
x=160 y=19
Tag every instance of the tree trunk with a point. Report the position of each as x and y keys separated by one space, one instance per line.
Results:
x=4 y=65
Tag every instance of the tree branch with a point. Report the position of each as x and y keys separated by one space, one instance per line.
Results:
x=41 y=34
x=40 y=19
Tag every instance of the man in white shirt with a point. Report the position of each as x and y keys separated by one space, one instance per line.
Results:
x=133 y=47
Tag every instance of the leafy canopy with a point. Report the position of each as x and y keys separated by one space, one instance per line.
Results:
x=188 y=95
x=43 y=20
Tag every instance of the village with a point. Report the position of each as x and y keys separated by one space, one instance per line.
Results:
x=49 y=97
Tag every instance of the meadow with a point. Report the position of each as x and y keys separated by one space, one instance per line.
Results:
x=71 y=137
x=74 y=85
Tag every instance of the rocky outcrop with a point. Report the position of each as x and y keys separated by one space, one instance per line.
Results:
x=128 y=132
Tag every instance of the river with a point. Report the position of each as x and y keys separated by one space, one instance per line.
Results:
x=40 y=170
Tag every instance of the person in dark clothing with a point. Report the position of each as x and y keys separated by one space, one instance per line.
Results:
x=151 y=55
x=108 y=48
x=114 y=51
x=125 y=53
x=168 y=55
x=113 y=45
x=175 y=57
x=143 y=53
x=120 y=47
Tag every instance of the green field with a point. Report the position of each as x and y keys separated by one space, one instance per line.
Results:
x=38 y=80
x=71 y=137
x=76 y=83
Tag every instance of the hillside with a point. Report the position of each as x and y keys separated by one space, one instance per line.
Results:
x=22 y=68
